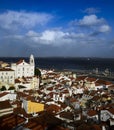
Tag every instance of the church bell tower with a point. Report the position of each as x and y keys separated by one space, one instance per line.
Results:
x=32 y=60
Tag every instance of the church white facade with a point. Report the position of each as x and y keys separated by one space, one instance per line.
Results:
x=24 y=69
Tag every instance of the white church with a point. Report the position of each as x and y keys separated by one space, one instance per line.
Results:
x=19 y=70
x=24 y=69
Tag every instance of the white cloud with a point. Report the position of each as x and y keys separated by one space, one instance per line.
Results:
x=90 y=25
x=48 y=37
x=52 y=35
x=53 y=42
x=90 y=20
x=11 y=19
x=32 y=33
x=104 y=28
x=91 y=10
x=56 y=38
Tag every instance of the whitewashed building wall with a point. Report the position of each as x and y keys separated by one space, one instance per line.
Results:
x=23 y=68
x=7 y=76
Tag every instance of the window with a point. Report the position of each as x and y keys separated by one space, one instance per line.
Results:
x=10 y=80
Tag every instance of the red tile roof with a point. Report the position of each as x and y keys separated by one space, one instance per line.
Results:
x=50 y=88
x=81 y=78
x=91 y=79
x=52 y=108
x=47 y=119
x=111 y=87
x=111 y=110
x=67 y=115
x=97 y=127
x=73 y=100
x=20 y=61
x=92 y=113
x=7 y=122
x=103 y=82
x=17 y=81
x=3 y=94
x=5 y=104
x=6 y=69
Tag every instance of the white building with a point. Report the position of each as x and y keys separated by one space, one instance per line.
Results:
x=23 y=68
x=7 y=75
x=7 y=96
x=35 y=83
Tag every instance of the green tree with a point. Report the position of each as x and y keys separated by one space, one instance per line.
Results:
x=37 y=72
x=3 y=88
x=12 y=88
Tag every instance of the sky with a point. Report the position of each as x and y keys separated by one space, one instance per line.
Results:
x=57 y=28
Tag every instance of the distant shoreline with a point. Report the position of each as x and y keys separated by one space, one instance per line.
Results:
x=81 y=73
x=68 y=63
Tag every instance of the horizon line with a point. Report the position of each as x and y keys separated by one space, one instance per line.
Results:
x=57 y=57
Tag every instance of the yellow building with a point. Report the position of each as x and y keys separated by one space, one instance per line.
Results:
x=32 y=107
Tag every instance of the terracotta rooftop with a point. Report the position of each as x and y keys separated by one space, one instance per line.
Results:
x=20 y=110
x=7 y=122
x=111 y=87
x=97 y=84
x=96 y=98
x=17 y=81
x=53 y=108
x=81 y=78
x=103 y=82
x=92 y=113
x=111 y=110
x=21 y=95
x=32 y=125
x=73 y=100
x=47 y=119
x=97 y=127
x=91 y=79
x=86 y=126
x=5 y=104
x=50 y=88
x=3 y=94
x=6 y=69
x=20 y=61
x=67 y=115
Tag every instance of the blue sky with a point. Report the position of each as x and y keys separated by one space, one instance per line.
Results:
x=73 y=28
